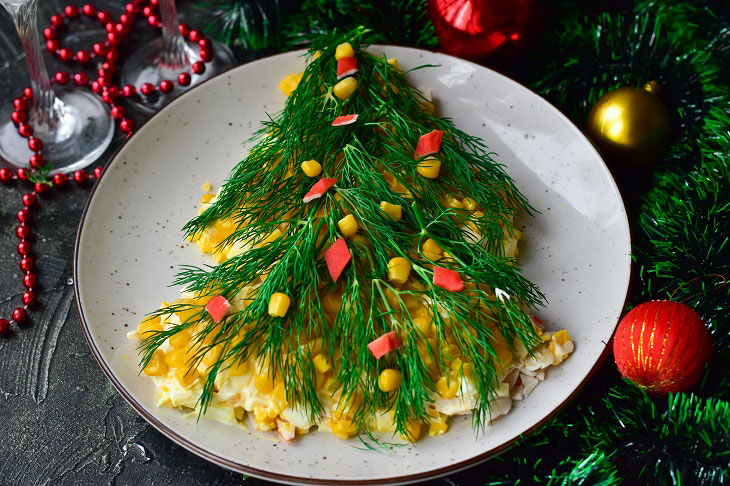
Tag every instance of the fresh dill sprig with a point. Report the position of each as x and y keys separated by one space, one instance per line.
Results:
x=264 y=193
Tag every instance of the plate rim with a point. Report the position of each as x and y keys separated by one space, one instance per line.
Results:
x=289 y=479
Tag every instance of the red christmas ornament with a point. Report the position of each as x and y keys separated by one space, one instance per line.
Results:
x=662 y=346
x=476 y=28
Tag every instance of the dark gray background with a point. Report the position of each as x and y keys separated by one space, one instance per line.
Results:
x=61 y=421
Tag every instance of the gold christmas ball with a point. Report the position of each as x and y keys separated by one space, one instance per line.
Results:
x=630 y=125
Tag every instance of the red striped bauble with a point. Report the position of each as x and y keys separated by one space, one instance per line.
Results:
x=662 y=346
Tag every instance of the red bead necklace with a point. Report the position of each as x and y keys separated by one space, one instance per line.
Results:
x=108 y=54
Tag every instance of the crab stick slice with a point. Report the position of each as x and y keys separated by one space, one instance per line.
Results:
x=429 y=143
x=344 y=120
x=319 y=188
x=347 y=66
x=384 y=344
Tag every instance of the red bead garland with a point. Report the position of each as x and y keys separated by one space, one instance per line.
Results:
x=110 y=93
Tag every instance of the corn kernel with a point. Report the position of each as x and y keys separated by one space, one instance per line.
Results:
x=156 y=365
x=206 y=187
x=390 y=380
x=279 y=304
x=271 y=237
x=316 y=55
x=263 y=383
x=279 y=394
x=469 y=203
x=206 y=198
x=452 y=202
x=398 y=270
x=345 y=88
x=447 y=388
x=344 y=50
x=437 y=427
x=394 y=62
x=262 y=419
x=321 y=363
x=212 y=355
x=312 y=168
x=180 y=339
x=348 y=226
x=177 y=358
x=290 y=83
x=331 y=302
x=238 y=368
x=423 y=325
x=413 y=431
x=430 y=246
x=239 y=413
x=185 y=377
x=393 y=210
x=429 y=167
x=149 y=326
x=344 y=429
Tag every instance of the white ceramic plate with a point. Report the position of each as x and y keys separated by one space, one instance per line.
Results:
x=129 y=245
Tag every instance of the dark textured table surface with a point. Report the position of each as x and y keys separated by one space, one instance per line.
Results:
x=61 y=421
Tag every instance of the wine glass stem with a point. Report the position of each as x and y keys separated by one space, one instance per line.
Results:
x=44 y=108
x=174 y=54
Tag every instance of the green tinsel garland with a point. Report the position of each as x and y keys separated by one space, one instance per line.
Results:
x=613 y=434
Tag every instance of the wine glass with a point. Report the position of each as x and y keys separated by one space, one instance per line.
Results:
x=73 y=124
x=166 y=58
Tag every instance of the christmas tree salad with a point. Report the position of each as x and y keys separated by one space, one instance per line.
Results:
x=365 y=275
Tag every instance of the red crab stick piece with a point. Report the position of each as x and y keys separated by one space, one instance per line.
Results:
x=447 y=279
x=384 y=344
x=347 y=66
x=430 y=143
x=344 y=120
x=217 y=307
x=319 y=188
x=337 y=257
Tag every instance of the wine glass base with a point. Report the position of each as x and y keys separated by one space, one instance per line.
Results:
x=83 y=131
x=144 y=66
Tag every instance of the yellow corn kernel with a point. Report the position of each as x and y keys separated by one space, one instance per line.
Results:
x=263 y=383
x=147 y=328
x=452 y=350
x=262 y=419
x=390 y=380
x=469 y=203
x=177 y=358
x=428 y=107
x=206 y=187
x=468 y=369
x=321 y=363
x=452 y=202
x=239 y=413
x=348 y=226
x=180 y=339
x=279 y=304
x=344 y=429
x=271 y=237
x=290 y=83
x=430 y=246
x=344 y=50
x=398 y=270
x=279 y=394
x=393 y=210
x=561 y=337
x=345 y=88
x=394 y=62
x=211 y=356
x=206 y=198
x=437 y=427
x=238 y=368
x=316 y=55
x=478 y=214
x=423 y=325
x=311 y=168
x=413 y=431
x=185 y=377
x=447 y=387
x=156 y=365
x=429 y=167
x=501 y=348
x=331 y=302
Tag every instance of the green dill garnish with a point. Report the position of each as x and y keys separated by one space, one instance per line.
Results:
x=264 y=192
